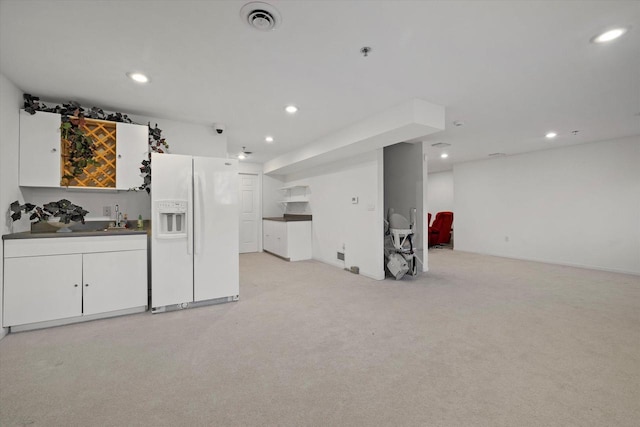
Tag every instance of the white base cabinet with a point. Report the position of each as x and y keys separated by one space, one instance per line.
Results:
x=60 y=278
x=288 y=239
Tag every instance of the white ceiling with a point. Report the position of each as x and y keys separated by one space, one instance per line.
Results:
x=510 y=70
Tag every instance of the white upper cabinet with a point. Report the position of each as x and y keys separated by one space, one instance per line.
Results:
x=132 y=147
x=39 y=149
x=41 y=164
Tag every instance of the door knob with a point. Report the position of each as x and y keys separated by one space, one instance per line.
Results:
x=75 y=286
x=53 y=150
x=119 y=156
x=86 y=285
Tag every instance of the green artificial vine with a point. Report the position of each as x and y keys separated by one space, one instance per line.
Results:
x=157 y=144
x=81 y=146
x=63 y=209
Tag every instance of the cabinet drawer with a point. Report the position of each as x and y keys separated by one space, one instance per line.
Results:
x=73 y=245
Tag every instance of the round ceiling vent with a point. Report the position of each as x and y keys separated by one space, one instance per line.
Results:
x=261 y=16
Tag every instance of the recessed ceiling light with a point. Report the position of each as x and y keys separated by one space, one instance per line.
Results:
x=138 y=77
x=444 y=155
x=291 y=109
x=609 y=35
x=241 y=156
x=268 y=139
x=551 y=135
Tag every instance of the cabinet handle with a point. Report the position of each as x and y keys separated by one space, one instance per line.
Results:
x=75 y=286
x=119 y=156
x=53 y=150
x=86 y=285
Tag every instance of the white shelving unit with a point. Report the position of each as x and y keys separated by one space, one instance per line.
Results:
x=295 y=197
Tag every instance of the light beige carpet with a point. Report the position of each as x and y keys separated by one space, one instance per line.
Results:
x=477 y=341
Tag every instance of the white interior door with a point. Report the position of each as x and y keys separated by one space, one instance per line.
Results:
x=249 y=212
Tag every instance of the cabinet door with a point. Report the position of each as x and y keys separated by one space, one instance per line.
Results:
x=268 y=240
x=299 y=240
x=280 y=237
x=41 y=288
x=39 y=149
x=114 y=281
x=132 y=147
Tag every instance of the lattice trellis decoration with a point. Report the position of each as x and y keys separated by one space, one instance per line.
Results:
x=103 y=133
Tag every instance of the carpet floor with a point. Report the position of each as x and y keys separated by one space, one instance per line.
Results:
x=476 y=341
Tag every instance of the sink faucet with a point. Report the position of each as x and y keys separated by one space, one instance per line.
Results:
x=118 y=216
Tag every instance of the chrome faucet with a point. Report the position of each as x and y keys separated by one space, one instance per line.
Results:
x=118 y=216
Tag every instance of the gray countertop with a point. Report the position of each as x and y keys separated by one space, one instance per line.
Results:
x=89 y=229
x=101 y=233
x=288 y=218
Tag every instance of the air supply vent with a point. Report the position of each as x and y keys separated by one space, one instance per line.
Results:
x=261 y=16
x=440 y=144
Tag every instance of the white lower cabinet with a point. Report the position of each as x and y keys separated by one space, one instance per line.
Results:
x=37 y=289
x=288 y=239
x=113 y=281
x=62 y=278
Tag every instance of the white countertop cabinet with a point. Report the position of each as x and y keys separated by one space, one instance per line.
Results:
x=38 y=289
x=287 y=239
x=73 y=279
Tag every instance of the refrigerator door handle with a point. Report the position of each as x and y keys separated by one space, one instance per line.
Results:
x=189 y=220
x=199 y=212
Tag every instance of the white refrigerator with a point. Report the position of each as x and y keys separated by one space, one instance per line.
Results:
x=195 y=227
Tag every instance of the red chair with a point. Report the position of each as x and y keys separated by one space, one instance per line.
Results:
x=440 y=231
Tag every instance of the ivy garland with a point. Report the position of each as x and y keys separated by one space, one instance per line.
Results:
x=81 y=146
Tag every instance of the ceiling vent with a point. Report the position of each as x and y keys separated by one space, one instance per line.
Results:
x=440 y=144
x=261 y=16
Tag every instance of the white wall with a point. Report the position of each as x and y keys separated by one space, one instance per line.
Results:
x=440 y=193
x=10 y=98
x=338 y=222
x=188 y=138
x=577 y=205
x=403 y=191
x=271 y=194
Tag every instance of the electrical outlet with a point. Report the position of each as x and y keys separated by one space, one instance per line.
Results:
x=106 y=211
x=354 y=200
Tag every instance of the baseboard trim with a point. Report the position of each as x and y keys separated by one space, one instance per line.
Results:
x=564 y=264
x=79 y=319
